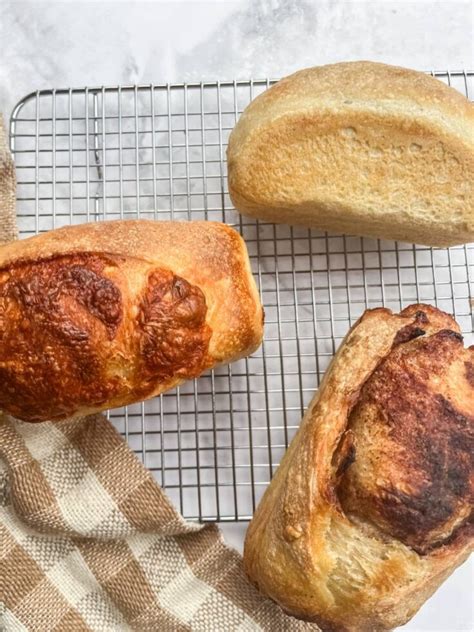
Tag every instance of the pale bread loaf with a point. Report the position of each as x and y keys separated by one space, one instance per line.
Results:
x=359 y=148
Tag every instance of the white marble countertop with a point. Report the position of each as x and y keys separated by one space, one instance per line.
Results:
x=73 y=44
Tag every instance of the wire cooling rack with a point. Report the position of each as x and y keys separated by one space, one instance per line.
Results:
x=159 y=152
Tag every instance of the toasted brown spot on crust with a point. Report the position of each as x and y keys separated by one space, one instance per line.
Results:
x=408 y=333
x=421 y=317
x=412 y=475
x=51 y=314
x=413 y=330
x=174 y=336
x=428 y=315
x=97 y=293
x=64 y=345
x=470 y=372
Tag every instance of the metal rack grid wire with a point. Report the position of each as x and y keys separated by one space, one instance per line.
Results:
x=158 y=151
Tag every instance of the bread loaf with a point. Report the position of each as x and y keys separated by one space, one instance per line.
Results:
x=101 y=315
x=371 y=507
x=360 y=148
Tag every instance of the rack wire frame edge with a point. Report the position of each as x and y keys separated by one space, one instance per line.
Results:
x=88 y=154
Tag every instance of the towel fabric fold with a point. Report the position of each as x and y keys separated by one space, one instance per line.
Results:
x=89 y=541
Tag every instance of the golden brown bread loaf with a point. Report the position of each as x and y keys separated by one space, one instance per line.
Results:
x=371 y=507
x=360 y=148
x=101 y=315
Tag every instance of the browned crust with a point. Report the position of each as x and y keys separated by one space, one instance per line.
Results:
x=101 y=315
x=369 y=510
x=416 y=484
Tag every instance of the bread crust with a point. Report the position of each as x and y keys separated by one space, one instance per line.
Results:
x=359 y=148
x=346 y=535
x=101 y=315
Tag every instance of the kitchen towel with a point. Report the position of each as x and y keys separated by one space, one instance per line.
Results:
x=7 y=190
x=89 y=541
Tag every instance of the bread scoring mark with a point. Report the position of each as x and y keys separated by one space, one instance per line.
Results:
x=413 y=472
x=53 y=317
x=345 y=454
x=174 y=336
x=347 y=461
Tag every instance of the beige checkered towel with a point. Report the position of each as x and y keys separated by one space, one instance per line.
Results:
x=88 y=541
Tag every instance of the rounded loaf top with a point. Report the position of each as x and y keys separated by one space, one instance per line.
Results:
x=358 y=148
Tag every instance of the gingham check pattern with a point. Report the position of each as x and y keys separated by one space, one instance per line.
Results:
x=88 y=540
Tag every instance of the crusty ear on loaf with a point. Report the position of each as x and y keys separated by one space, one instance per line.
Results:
x=102 y=315
x=360 y=148
x=371 y=507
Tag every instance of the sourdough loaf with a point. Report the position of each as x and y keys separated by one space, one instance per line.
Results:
x=360 y=148
x=371 y=507
x=101 y=315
